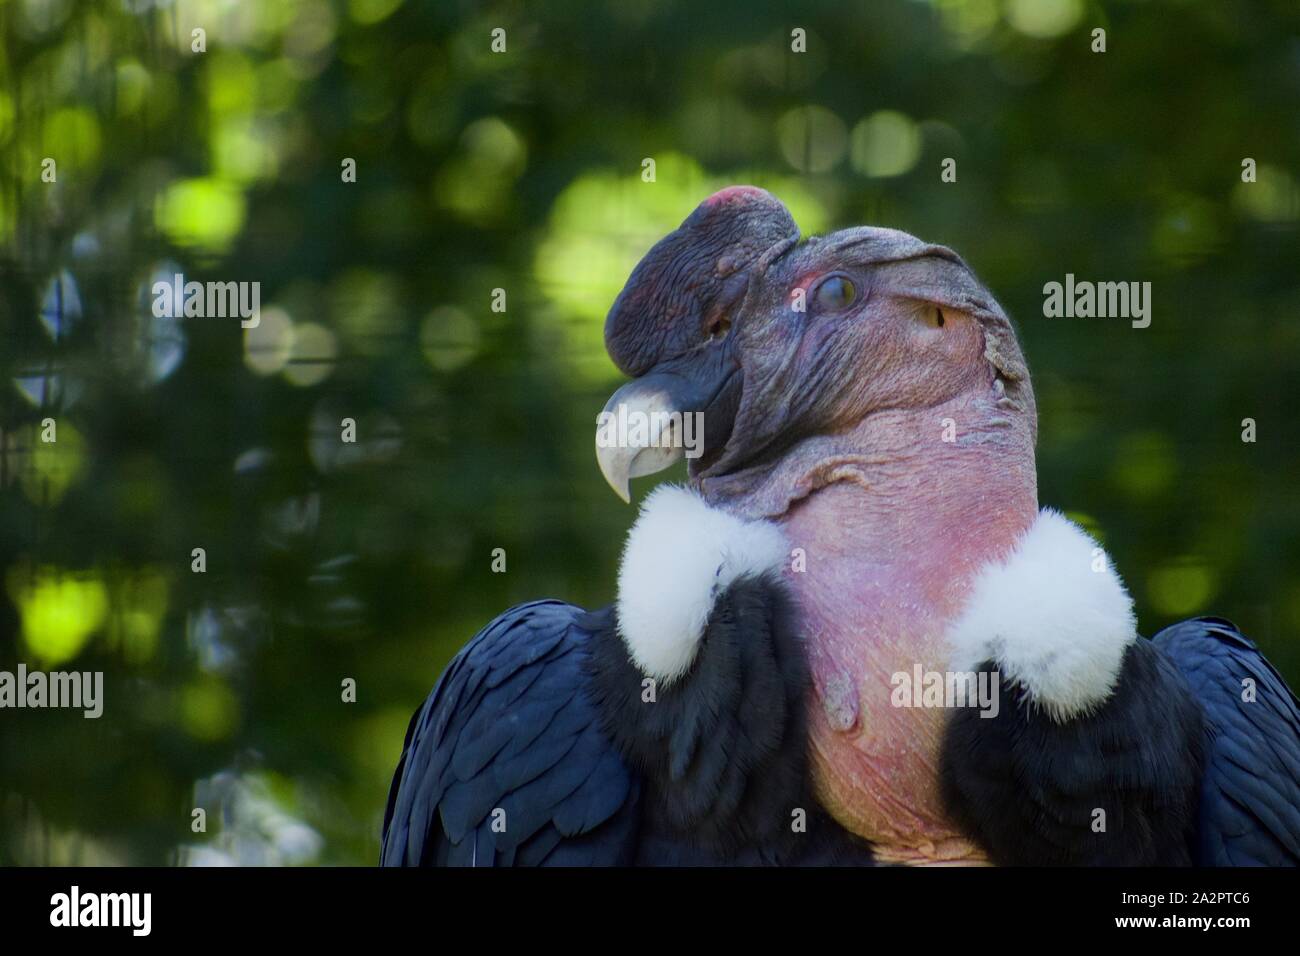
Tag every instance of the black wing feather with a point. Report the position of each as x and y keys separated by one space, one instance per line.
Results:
x=510 y=726
x=1250 y=796
x=544 y=716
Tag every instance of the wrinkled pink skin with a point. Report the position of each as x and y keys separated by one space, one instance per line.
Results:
x=895 y=523
x=891 y=552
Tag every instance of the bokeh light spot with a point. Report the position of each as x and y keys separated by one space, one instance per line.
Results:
x=311 y=358
x=1145 y=464
x=449 y=338
x=268 y=345
x=812 y=139
x=1273 y=197
x=1044 y=19
x=367 y=12
x=54 y=466
x=208 y=709
x=1180 y=588
x=60 y=611
x=203 y=213
x=886 y=143
x=72 y=137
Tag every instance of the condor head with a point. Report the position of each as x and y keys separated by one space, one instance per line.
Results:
x=778 y=345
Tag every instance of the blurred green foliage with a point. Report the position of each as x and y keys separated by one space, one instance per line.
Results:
x=522 y=171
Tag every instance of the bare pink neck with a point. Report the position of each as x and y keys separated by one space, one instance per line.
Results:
x=894 y=526
x=905 y=499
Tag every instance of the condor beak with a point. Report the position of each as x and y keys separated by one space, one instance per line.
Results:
x=637 y=433
x=684 y=407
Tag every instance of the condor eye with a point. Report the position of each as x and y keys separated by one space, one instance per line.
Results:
x=835 y=293
x=932 y=316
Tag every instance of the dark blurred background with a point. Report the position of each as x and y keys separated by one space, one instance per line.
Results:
x=522 y=171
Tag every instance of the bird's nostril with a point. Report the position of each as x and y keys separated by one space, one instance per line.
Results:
x=719 y=328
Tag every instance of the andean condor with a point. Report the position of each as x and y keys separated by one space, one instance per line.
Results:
x=780 y=678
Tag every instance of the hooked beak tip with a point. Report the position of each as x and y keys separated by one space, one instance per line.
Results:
x=647 y=447
x=615 y=468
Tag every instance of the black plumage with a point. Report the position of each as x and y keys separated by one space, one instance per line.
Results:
x=510 y=727
x=540 y=746
x=1192 y=764
x=1250 y=793
x=1029 y=789
x=544 y=717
